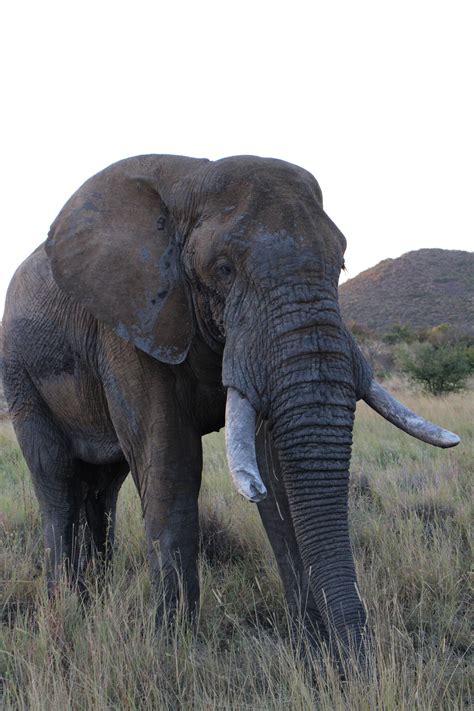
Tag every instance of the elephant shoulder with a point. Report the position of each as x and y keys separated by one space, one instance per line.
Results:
x=29 y=283
x=41 y=323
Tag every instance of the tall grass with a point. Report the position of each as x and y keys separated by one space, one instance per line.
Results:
x=411 y=512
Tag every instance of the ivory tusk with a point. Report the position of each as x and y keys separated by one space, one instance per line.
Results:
x=407 y=420
x=240 y=447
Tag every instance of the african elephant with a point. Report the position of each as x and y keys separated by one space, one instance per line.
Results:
x=170 y=290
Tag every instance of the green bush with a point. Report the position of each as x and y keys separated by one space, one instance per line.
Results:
x=469 y=355
x=399 y=333
x=438 y=368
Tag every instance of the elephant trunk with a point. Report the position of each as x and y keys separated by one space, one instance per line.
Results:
x=304 y=374
x=312 y=430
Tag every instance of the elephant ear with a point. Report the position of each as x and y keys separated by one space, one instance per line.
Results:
x=113 y=249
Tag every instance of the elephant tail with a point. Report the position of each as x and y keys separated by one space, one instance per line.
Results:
x=1 y=360
x=3 y=404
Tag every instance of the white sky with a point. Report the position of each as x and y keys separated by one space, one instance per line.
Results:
x=376 y=99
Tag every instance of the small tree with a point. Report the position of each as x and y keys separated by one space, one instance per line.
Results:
x=439 y=369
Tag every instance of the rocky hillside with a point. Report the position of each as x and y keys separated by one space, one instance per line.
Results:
x=420 y=289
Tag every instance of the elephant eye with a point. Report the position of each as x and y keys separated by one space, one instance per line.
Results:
x=224 y=269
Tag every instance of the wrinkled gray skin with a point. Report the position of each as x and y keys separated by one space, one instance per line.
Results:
x=165 y=280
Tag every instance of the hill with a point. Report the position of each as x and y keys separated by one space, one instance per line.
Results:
x=420 y=289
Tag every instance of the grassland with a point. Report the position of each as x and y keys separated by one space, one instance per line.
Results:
x=411 y=510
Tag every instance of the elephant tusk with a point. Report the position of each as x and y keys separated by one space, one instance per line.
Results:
x=407 y=420
x=240 y=446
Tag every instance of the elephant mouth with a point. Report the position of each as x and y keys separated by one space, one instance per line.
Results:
x=240 y=434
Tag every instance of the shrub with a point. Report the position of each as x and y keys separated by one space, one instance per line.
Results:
x=399 y=334
x=439 y=369
x=379 y=356
x=360 y=332
x=469 y=355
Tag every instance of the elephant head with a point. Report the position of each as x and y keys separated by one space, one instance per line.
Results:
x=240 y=254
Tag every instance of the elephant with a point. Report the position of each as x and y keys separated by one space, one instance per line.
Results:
x=174 y=295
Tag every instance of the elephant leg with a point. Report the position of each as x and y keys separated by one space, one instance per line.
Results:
x=168 y=480
x=59 y=491
x=276 y=518
x=149 y=408
x=100 y=507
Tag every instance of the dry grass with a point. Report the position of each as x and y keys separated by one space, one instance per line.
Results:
x=411 y=512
